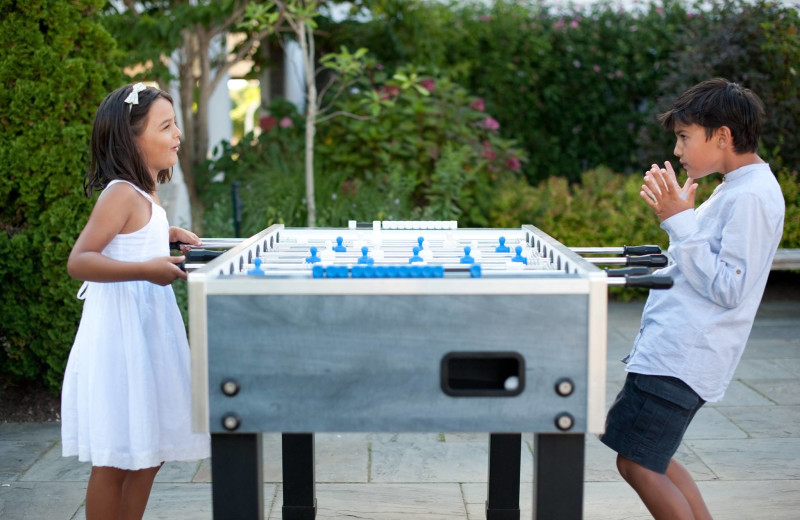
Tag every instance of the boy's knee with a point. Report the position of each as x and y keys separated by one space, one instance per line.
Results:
x=627 y=468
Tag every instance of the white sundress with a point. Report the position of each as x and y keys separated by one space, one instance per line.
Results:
x=126 y=398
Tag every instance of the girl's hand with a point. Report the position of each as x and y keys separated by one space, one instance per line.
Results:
x=184 y=236
x=662 y=192
x=163 y=270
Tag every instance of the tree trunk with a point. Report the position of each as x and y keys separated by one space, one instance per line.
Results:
x=306 y=38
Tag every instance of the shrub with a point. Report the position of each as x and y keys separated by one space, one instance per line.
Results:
x=270 y=172
x=790 y=185
x=433 y=153
x=55 y=68
x=579 y=87
x=603 y=209
x=753 y=43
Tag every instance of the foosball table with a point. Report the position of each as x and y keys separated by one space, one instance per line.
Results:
x=400 y=327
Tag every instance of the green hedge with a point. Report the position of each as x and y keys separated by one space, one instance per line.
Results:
x=579 y=87
x=55 y=68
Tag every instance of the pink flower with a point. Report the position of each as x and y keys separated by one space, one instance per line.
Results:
x=576 y=64
x=428 y=84
x=491 y=123
x=596 y=68
x=573 y=24
x=559 y=23
x=267 y=123
x=286 y=122
x=618 y=74
x=488 y=153
x=478 y=105
x=388 y=92
x=514 y=164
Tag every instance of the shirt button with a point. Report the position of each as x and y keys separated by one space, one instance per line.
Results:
x=738 y=271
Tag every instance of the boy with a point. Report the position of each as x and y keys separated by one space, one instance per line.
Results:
x=692 y=336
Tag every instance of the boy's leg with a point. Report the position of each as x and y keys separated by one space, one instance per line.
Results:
x=104 y=493
x=684 y=481
x=673 y=495
x=661 y=496
x=135 y=493
x=645 y=426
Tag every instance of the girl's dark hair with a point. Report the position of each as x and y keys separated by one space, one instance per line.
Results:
x=114 y=151
x=715 y=103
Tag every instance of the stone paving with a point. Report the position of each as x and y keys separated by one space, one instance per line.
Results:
x=744 y=452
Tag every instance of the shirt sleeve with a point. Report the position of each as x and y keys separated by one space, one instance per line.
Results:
x=726 y=276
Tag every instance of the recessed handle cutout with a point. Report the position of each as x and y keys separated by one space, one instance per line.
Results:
x=483 y=374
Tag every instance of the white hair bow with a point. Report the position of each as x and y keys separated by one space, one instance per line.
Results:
x=133 y=97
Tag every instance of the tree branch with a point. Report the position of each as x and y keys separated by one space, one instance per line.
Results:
x=237 y=13
x=344 y=113
x=244 y=51
x=324 y=89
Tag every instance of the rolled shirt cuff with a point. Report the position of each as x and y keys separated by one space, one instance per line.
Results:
x=680 y=225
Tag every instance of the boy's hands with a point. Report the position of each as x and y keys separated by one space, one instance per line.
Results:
x=662 y=192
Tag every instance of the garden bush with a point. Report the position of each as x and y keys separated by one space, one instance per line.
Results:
x=270 y=172
x=753 y=43
x=433 y=153
x=579 y=87
x=56 y=66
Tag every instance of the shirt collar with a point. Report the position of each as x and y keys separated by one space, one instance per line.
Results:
x=738 y=173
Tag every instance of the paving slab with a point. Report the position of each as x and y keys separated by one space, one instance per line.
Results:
x=385 y=501
x=30 y=432
x=710 y=423
x=765 y=421
x=52 y=467
x=749 y=459
x=40 y=500
x=739 y=393
x=431 y=462
x=749 y=369
x=780 y=391
x=18 y=456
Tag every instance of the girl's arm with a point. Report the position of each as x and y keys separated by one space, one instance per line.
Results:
x=119 y=209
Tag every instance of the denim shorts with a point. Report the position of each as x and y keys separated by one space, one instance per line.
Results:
x=647 y=421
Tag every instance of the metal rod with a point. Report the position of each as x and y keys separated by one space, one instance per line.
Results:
x=624 y=250
x=221 y=243
x=598 y=250
x=608 y=260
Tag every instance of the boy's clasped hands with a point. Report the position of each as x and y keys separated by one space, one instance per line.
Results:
x=662 y=192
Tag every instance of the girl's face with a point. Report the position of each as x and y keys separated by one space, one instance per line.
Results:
x=159 y=141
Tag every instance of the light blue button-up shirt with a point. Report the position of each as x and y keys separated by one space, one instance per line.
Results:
x=720 y=259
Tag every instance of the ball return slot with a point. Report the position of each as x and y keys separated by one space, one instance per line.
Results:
x=483 y=374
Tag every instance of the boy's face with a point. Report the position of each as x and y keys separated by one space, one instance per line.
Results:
x=699 y=155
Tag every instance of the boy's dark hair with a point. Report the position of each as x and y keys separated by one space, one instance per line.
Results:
x=715 y=103
x=114 y=151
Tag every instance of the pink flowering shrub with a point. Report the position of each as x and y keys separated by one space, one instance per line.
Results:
x=432 y=153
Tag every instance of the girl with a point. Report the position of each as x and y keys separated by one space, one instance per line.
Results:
x=125 y=403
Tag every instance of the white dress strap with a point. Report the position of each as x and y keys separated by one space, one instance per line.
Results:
x=137 y=188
